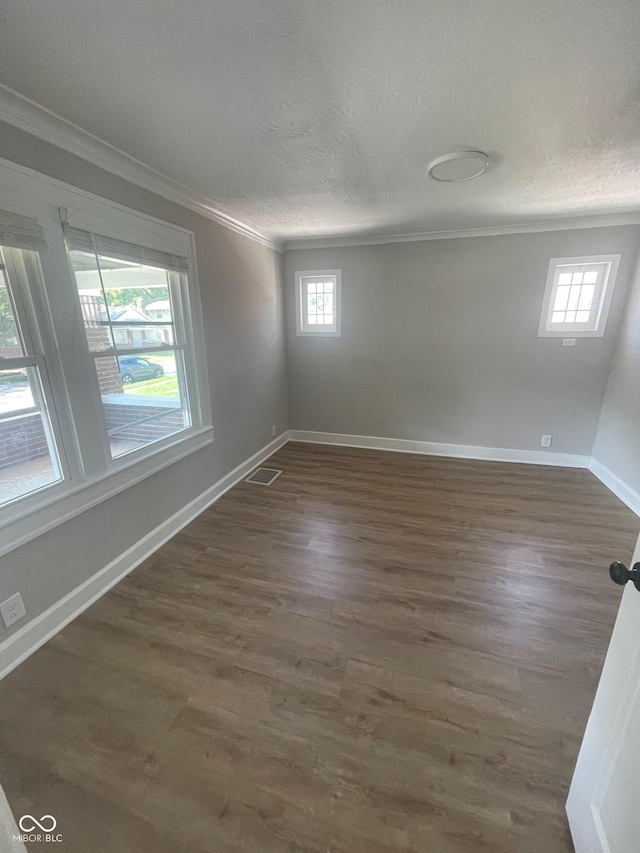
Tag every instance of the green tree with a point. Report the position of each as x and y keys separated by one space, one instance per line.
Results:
x=8 y=331
x=128 y=295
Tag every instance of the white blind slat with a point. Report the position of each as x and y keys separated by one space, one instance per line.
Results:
x=21 y=232
x=83 y=241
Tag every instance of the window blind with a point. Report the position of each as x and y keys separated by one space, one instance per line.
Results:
x=21 y=232
x=83 y=241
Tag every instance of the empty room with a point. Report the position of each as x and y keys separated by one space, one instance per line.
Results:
x=319 y=426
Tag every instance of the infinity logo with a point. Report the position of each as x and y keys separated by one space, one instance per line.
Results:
x=41 y=824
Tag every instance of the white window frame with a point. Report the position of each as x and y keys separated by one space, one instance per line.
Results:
x=185 y=363
x=91 y=476
x=28 y=298
x=303 y=329
x=596 y=326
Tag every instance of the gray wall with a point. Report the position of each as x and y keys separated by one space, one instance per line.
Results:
x=439 y=343
x=241 y=292
x=617 y=444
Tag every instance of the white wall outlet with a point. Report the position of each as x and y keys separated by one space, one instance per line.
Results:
x=546 y=441
x=273 y=430
x=568 y=342
x=12 y=609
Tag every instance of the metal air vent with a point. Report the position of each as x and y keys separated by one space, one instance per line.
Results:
x=263 y=476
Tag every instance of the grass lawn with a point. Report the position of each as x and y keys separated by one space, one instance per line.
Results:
x=166 y=386
x=18 y=376
x=167 y=361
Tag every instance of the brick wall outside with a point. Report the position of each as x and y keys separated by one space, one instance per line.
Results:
x=119 y=415
x=108 y=375
x=11 y=352
x=21 y=439
x=98 y=339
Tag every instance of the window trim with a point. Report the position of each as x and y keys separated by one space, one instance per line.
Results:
x=321 y=332
x=564 y=330
x=89 y=479
x=124 y=227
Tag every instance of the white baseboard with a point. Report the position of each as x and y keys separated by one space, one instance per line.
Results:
x=432 y=448
x=34 y=634
x=619 y=488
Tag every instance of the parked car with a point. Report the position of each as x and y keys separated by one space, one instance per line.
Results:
x=133 y=368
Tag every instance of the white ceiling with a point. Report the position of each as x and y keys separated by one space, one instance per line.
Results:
x=317 y=117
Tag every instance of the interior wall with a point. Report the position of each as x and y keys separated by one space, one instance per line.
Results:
x=241 y=293
x=617 y=444
x=439 y=343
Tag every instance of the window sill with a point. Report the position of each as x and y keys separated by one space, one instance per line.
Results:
x=60 y=503
x=571 y=333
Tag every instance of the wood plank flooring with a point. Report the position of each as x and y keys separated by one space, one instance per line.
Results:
x=378 y=653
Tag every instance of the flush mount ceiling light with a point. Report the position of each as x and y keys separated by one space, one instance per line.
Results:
x=458 y=166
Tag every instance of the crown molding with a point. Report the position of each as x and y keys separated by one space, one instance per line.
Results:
x=27 y=115
x=596 y=221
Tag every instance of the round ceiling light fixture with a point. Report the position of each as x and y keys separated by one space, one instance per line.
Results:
x=458 y=166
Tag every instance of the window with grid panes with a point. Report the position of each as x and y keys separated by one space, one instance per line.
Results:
x=578 y=296
x=318 y=303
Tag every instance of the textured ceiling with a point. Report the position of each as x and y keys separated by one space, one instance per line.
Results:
x=318 y=118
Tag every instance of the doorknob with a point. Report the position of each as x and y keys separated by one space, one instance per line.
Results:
x=620 y=574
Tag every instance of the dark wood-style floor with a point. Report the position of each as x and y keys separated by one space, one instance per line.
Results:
x=380 y=652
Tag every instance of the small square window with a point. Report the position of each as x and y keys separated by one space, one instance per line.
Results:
x=578 y=296
x=318 y=303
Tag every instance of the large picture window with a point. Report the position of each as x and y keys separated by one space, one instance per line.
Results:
x=133 y=307
x=103 y=377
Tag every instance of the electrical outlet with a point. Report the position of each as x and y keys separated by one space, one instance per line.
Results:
x=546 y=441
x=273 y=430
x=12 y=609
